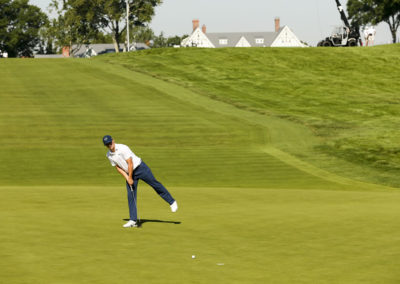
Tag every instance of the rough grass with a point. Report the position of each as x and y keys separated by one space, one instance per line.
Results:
x=347 y=97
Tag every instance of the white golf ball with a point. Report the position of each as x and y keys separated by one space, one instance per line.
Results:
x=193 y=256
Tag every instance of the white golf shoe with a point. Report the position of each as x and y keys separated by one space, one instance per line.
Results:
x=174 y=206
x=130 y=223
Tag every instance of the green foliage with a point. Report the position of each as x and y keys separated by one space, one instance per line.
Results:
x=160 y=41
x=83 y=22
x=142 y=34
x=20 y=24
x=112 y=16
x=114 y=12
x=102 y=37
x=47 y=44
x=175 y=40
x=75 y=25
x=364 y=12
x=145 y=34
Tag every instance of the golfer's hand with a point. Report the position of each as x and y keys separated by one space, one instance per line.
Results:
x=130 y=181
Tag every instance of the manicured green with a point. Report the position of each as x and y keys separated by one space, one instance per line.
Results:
x=263 y=197
x=74 y=235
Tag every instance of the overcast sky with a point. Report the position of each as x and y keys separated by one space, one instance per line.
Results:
x=310 y=20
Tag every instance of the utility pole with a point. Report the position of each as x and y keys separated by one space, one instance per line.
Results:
x=127 y=25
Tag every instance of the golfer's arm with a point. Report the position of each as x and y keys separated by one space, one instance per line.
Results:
x=130 y=167
x=130 y=170
x=122 y=172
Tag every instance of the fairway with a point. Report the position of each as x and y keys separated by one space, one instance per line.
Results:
x=260 y=199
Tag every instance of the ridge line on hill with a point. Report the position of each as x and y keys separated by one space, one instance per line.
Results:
x=277 y=129
x=310 y=169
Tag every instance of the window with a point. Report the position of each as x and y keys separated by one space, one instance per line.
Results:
x=259 y=41
x=223 y=41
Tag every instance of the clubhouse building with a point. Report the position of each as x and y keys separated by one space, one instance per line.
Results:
x=281 y=37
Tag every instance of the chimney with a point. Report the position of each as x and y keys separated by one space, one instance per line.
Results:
x=277 y=24
x=196 y=24
x=204 y=29
x=66 y=51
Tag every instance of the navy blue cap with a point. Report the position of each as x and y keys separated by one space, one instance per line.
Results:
x=107 y=140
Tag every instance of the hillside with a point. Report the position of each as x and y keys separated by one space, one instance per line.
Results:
x=348 y=98
x=267 y=152
x=208 y=111
x=55 y=112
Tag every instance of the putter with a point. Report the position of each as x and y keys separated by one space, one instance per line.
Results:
x=137 y=211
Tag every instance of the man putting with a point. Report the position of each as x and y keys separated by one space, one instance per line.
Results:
x=132 y=168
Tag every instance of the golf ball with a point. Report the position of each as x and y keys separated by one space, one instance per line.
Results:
x=193 y=256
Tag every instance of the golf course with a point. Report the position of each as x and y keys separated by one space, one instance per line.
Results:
x=285 y=163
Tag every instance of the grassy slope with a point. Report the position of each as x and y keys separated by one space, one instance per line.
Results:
x=54 y=113
x=347 y=97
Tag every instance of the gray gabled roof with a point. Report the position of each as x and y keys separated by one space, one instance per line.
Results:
x=48 y=56
x=101 y=48
x=233 y=38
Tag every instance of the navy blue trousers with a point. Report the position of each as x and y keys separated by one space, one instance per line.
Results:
x=144 y=173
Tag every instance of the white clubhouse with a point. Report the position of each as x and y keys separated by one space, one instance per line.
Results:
x=281 y=37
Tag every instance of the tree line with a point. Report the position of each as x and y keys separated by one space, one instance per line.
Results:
x=25 y=29
x=364 y=12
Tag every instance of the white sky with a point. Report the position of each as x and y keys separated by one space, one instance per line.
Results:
x=310 y=20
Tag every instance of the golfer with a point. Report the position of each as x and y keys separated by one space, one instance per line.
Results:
x=132 y=168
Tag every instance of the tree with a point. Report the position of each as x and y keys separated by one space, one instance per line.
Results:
x=46 y=44
x=20 y=24
x=80 y=21
x=113 y=14
x=102 y=38
x=176 y=40
x=363 y=12
x=75 y=25
x=142 y=34
x=146 y=35
x=160 y=41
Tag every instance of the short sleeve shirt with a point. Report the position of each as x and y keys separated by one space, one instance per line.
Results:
x=121 y=154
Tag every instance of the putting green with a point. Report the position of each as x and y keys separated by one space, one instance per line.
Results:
x=75 y=235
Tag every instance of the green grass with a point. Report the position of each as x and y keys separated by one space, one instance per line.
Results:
x=346 y=97
x=74 y=235
x=242 y=138
x=58 y=120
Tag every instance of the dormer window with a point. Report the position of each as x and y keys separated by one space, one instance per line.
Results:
x=259 y=41
x=223 y=41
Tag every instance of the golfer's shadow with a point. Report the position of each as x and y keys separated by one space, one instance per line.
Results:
x=142 y=221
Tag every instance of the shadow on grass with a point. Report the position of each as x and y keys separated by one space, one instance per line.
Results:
x=142 y=221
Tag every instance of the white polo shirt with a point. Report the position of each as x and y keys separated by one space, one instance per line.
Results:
x=121 y=154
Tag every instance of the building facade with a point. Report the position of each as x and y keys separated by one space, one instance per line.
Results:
x=281 y=37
